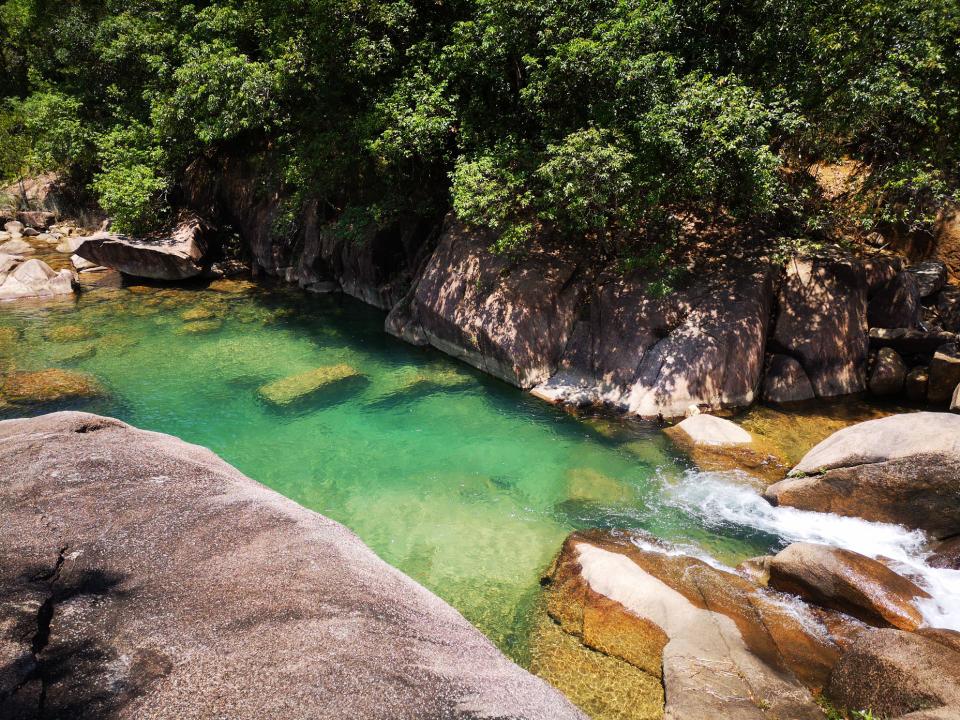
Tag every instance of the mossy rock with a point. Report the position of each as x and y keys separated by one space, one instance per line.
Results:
x=302 y=385
x=74 y=353
x=9 y=339
x=200 y=312
x=46 y=386
x=232 y=286
x=200 y=327
x=71 y=333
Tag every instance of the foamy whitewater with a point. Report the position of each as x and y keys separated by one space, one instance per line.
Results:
x=719 y=501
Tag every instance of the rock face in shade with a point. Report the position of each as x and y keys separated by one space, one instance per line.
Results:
x=896 y=304
x=726 y=647
x=930 y=275
x=895 y=673
x=888 y=374
x=822 y=319
x=178 y=256
x=144 y=577
x=900 y=469
x=785 y=381
x=915 y=383
x=944 y=374
x=849 y=582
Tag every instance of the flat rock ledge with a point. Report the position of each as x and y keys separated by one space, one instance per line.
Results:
x=142 y=577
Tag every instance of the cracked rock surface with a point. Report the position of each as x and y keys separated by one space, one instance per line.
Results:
x=142 y=577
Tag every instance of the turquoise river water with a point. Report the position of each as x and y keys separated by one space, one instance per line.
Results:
x=464 y=483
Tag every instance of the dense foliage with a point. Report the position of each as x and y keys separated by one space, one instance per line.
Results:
x=595 y=115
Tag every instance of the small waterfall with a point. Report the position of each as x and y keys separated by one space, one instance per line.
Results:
x=720 y=503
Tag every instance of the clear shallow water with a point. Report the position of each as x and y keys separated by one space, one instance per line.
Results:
x=466 y=484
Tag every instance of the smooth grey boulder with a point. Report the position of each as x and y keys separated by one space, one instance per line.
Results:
x=177 y=256
x=32 y=279
x=888 y=374
x=900 y=469
x=785 y=381
x=143 y=577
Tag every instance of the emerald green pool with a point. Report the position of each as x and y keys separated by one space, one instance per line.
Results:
x=461 y=481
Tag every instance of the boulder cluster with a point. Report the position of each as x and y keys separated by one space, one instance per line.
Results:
x=23 y=277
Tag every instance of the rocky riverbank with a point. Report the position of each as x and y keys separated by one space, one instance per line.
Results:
x=144 y=577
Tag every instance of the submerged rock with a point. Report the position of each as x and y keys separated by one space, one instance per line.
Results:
x=849 y=582
x=718 y=444
x=70 y=333
x=172 y=608
x=46 y=386
x=302 y=385
x=894 y=673
x=178 y=256
x=901 y=469
x=724 y=647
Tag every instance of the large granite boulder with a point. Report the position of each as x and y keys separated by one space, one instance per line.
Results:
x=722 y=646
x=144 y=577
x=822 y=318
x=32 y=279
x=900 y=469
x=896 y=303
x=638 y=351
x=888 y=374
x=510 y=319
x=180 y=255
x=944 y=374
x=849 y=582
x=895 y=674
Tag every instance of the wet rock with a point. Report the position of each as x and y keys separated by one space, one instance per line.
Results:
x=47 y=386
x=930 y=276
x=888 y=374
x=70 y=333
x=896 y=304
x=899 y=469
x=946 y=554
x=172 y=608
x=848 y=582
x=200 y=327
x=710 y=430
x=823 y=319
x=200 y=312
x=893 y=673
x=302 y=385
x=910 y=342
x=177 y=256
x=786 y=381
x=32 y=279
x=757 y=569
x=944 y=374
x=725 y=646
x=915 y=383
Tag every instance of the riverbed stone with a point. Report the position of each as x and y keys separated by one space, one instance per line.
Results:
x=41 y=219
x=900 y=469
x=297 y=387
x=727 y=647
x=946 y=554
x=47 y=386
x=907 y=342
x=14 y=227
x=888 y=373
x=848 y=582
x=944 y=374
x=893 y=673
x=16 y=247
x=160 y=564
x=930 y=276
x=200 y=327
x=706 y=429
x=70 y=333
x=785 y=381
x=896 y=304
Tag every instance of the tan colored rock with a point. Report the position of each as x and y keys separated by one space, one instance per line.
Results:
x=892 y=673
x=162 y=563
x=944 y=374
x=302 y=385
x=70 y=333
x=888 y=374
x=16 y=247
x=899 y=469
x=848 y=582
x=727 y=647
x=46 y=386
x=711 y=430
x=955 y=400
x=34 y=279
